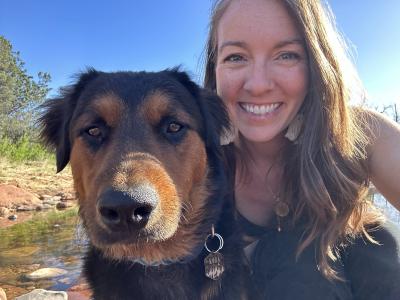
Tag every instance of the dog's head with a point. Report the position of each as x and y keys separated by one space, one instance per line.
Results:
x=145 y=158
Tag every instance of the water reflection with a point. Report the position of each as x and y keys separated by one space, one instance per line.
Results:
x=50 y=240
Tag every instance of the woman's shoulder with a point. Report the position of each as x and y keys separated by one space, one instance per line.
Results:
x=383 y=155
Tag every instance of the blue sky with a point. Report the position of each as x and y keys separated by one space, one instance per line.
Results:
x=62 y=37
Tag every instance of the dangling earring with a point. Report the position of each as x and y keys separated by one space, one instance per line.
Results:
x=294 y=128
x=228 y=136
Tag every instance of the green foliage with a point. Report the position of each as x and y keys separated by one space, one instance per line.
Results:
x=20 y=94
x=24 y=149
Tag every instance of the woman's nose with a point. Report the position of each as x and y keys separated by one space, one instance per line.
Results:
x=259 y=80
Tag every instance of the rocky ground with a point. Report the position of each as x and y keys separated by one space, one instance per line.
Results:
x=32 y=186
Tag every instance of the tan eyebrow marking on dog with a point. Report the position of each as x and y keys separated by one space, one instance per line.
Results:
x=109 y=107
x=159 y=104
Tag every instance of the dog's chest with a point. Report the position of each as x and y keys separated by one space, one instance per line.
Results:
x=122 y=281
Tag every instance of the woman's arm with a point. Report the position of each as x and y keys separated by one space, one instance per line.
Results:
x=384 y=157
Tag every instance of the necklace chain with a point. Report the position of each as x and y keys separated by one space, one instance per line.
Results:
x=281 y=208
x=275 y=195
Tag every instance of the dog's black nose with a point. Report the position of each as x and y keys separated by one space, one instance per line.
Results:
x=128 y=208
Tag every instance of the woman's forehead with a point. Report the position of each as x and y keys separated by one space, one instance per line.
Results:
x=259 y=19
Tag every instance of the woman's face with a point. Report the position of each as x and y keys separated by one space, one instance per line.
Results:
x=261 y=68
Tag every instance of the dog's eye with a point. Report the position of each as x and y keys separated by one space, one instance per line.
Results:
x=173 y=130
x=95 y=136
x=94 y=131
x=174 y=127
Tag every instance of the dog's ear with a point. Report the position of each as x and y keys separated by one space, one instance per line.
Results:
x=56 y=116
x=215 y=111
x=211 y=106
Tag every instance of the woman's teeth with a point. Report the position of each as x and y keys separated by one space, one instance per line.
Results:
x=259 y=109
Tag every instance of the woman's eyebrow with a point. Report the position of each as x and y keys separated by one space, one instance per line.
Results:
x=232 y=43
x=280 y=44
x=295 y=41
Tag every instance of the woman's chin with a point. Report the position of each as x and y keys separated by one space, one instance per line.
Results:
x=262 y=135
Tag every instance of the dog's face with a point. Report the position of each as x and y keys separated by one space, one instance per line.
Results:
x=143 y=149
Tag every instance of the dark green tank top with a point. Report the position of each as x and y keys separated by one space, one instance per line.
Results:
x=369 y=271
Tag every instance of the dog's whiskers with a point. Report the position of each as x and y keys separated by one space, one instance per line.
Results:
x=186 y=209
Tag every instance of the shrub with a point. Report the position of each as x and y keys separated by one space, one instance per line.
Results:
x=24 y=149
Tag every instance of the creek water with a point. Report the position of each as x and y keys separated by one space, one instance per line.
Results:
x=53 y=240
x=48 y=241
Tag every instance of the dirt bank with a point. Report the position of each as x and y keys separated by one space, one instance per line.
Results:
x=26 y=187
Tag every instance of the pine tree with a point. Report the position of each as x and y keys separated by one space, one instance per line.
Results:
x=20 y=94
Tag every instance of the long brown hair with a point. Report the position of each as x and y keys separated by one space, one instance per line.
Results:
x=326 y=172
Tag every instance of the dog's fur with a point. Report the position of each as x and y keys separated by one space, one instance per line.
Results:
x=152 y=139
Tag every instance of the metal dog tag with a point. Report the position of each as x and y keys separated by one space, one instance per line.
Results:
x=214 y=265
x=214 y=262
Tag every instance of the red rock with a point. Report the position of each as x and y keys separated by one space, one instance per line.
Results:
x=12 y=196
x=79 y=295
x=80 y=291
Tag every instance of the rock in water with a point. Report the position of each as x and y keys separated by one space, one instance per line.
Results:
x=40 y=294
x=45 y=273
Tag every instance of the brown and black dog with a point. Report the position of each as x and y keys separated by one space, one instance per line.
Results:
x=147 y=168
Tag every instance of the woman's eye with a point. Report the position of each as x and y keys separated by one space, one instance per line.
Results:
x=94 y=131
x=289 y=56
x=233 y=58
x=174 y=127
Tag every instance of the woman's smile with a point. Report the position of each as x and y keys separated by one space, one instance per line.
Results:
x=259 y=111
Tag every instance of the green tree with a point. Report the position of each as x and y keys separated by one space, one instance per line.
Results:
x=20 y=94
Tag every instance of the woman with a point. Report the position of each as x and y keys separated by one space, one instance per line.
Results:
x=304 y=158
